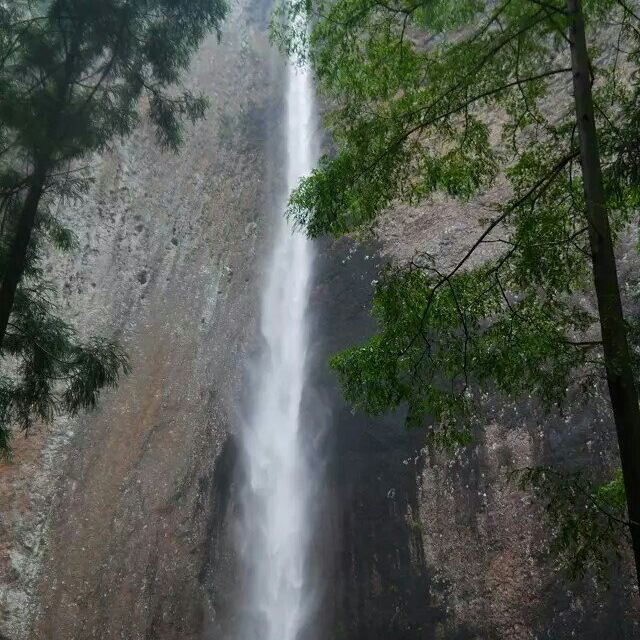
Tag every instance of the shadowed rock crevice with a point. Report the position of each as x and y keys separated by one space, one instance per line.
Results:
x=382 y=586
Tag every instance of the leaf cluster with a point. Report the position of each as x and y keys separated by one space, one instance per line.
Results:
x=587 y=520
x=47 y=369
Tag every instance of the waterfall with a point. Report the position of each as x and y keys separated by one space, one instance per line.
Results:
x=274 y=531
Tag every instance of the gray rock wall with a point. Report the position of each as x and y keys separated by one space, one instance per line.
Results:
x=107 y=519
x=432 y=546
x=486 y=542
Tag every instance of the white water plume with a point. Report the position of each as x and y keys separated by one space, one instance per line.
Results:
x=277 y=490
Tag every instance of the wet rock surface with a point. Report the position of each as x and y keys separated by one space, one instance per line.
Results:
x=485 y=541
x=379 y=582
x=442 y=545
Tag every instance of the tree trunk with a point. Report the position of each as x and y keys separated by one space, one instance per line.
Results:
x=617 y=355
x=17 y=258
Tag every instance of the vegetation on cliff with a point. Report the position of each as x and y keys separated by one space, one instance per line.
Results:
x=74 y=75
x=410 y=86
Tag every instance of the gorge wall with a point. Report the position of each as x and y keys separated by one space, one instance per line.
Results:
x=109 y=521
x=120 y=523
x=434 y=545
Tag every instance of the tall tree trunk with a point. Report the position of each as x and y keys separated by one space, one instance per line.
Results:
x=617 y=355
x=17 y=258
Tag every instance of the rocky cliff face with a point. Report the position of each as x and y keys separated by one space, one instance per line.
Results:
x=107 y=520
x=119 y=524
x=484 y=541
x=431 y=545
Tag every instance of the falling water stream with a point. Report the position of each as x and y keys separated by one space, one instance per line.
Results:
x=276 y=496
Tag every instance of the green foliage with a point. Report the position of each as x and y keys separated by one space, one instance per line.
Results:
x=73 y=73
x=409 y=119
x=49 y=370
x=443 y=16
x=438 y=345
x=448 y=97
x=587 y=521
x=73 y=77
